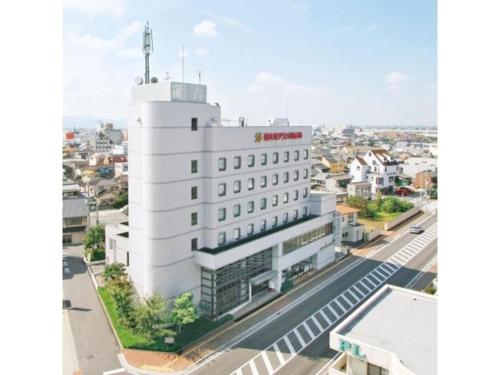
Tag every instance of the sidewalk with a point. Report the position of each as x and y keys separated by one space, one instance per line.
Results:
x=231 y=331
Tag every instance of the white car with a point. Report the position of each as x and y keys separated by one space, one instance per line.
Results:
x=416 y=229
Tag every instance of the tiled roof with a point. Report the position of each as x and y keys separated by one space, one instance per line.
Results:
x=74 y=207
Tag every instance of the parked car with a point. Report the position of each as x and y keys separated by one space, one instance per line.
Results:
x=416 y=229
x=404 y=191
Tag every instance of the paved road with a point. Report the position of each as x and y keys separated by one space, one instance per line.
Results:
x=94 y=342
x=297 y=342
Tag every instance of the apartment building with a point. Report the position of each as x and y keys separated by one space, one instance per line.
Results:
x=224 y=212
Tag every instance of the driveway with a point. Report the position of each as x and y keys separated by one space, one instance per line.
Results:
x=94 y=342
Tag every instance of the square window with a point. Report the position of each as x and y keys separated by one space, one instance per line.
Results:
x=237 y=186
x=296 y=155
x=306 y=173
x=250 y=229
x=194 y=166
x=286 y=177
x=194 y=192
x=285 y=198
x=251 y=160
x=306 y=154
x=263 y=225
x=304 y=194
x=274 y=221
x=275 y=179
x=194 y=244
x=285 y=218
x=295 y=195
x=276 y=158
x=263 y=159
x=222 y=189
x=222 y=164
x=194 y=218
x=194 y=124
x=286 y=157
x=236 y=234
x=251 y=184
x=295 y=214
x=274 y=200
x=263 y=181
x=263 y=203
x=250 y=207
x=295 y=175
x=221 y=214
x=221 y=238
x=236 y=210
x=237 y=162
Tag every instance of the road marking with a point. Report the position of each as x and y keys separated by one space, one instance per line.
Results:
x=369 y=288
x=267 y=363
x=238 y=372
x=339 y=301
x=327 y=319
x=67 y=270
x=359 y=291
x=253 y=368
x=309 y=330
x=315 y=321
x=333 y=312
x=278 y=353
x=289 y=345
x=299 y=337
x=356 y=298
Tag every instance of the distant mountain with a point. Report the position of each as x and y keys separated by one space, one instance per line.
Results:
x=70 y=122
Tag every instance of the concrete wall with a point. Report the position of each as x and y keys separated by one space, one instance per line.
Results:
x=401 y=218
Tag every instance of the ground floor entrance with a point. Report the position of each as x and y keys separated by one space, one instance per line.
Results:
x=299 y=269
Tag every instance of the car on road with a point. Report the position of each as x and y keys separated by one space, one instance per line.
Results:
x=404 y=191
x=416 y=229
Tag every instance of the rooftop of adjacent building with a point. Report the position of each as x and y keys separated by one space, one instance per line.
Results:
x=400 y=321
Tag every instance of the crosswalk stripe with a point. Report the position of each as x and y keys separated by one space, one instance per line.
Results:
x=327 y=319
x=299 y=337
x=392 y=265
x=333 y=311
x=375 y=277
x=359 y=291
x=238 y=372
x=289 y=345
x=253 y=368
x=382 y=272
x=399 y=258
x=366 y=286
x=378 y=273
x=348 y=303
x=267 y=363
x=369 y=282
x=356 y=298
x=386 y=267
x=278 y=353
x=318 y=324
x=340 y=306
x=309 y=331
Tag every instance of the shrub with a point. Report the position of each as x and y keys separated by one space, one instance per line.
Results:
x=184 y=311
x=114 y=271
x=121 y=290
x=287 y=285
x=94 y=237
x=372 y=209
x=95 y=254
x=150 y=318
x=121 y=200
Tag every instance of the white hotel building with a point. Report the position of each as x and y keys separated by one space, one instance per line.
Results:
x=221 y=211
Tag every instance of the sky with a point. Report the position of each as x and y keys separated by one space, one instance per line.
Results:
x=361 y=62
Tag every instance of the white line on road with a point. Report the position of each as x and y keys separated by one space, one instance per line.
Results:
x=289 y=345
x=309 y=331
x=318 y=324
x=278 y=353
x=299 y=337
x=327 y=319
x=253 y=368
x=267 y=363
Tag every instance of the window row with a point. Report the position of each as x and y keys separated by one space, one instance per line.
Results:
x=275 y=158
x=306 y=238
x=221 y=212
x=222 y=237
x=222 y=188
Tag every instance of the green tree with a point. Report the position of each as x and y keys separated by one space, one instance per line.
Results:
x=94 y=238
x=121 y=200
x=114 y=271
x=150 y=318
x=372 y=210
x=390 y=205
x=184 y=311
x=122 y=292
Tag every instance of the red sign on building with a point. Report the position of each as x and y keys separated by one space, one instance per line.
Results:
x=277 y=136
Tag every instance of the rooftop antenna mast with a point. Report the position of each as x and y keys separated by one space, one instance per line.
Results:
x=200 y=72
x=147 y=48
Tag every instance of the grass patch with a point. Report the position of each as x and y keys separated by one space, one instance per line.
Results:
x=190 y=332
x=379 y=220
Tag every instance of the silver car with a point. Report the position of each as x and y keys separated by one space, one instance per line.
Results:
x=416 y=229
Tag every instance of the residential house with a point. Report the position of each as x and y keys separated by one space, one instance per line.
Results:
x=121 y=169
x=98 y=186
x=377 y=167
x=412 y=166
x=352 y=231
x=360 y=189
x=96 y=159
x=123 y=182
x=75 y=214
x=335 y=165
x=113 y=159
x=425 y=180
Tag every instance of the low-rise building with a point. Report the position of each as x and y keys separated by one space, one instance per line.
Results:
x=360 y=189
x=412 y=166
x=121 y=169
x=75 y=214
x=352 y=231
x=425 y=180
x=377 y=167
x=393 y=333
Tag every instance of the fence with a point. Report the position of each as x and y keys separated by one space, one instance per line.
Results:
x=401 y=218
x=370 y=236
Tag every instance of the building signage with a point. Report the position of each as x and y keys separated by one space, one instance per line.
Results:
x=354 y=349
x=278 y=136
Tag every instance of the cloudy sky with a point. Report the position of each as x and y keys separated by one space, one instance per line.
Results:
x=361 y=62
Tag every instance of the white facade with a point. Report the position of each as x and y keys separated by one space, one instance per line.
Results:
x=191 y=187
x=377 y=167
x=412 y=166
